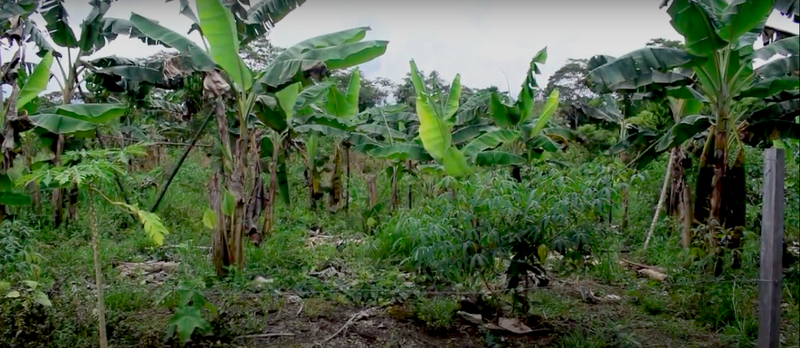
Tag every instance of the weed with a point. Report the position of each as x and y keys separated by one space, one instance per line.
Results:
x=438 y=313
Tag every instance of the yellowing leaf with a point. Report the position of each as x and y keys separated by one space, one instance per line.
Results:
x=151 y=223
x=542 y=251
x=153 y=226
x=13 y=294
x=210 y=219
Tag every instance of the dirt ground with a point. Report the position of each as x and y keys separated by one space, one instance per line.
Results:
x=393 y=326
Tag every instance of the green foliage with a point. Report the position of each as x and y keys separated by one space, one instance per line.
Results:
x=92 y=166
x=596 y=139
x=8 y=197
x=188 y=305
x=481 y=231
x=28 y=295
x=436 y=313
x=498 y=219
x=20 y=258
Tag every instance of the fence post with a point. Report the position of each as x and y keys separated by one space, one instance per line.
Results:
x=771 y=269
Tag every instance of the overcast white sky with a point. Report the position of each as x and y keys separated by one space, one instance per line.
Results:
x=482 y=40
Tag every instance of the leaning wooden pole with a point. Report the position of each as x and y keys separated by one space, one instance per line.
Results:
x=175 y=170
x=661 y=199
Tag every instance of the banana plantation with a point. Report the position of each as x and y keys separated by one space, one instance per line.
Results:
x=227 y=192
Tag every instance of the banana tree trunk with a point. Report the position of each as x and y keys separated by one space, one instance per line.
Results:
x=715 y=223
x=230 y=228
x=624 y=195
x=336 y=180
x=310 y=187
x=235 y=184
x=686 y=216
x=57 y=200
x=409 y=166
x=72 y=198
x=219 y=242
x=680 y=198
x=256 y=200
x=9 y=135
x=372 y=190
x=395 y=189
x=735 y=210
x=269 y=206
x=347 y=183
x=9 y=132
x=704 y=177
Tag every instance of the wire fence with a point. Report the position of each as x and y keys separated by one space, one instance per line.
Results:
x=416 y=290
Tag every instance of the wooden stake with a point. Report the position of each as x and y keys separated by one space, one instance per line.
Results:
x=771 y=268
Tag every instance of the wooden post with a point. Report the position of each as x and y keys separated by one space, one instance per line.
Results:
x=771 y=269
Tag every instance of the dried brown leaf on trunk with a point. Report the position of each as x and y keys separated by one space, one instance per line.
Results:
x=215 y=85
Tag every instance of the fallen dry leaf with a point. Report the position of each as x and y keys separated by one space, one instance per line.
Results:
x=513 y=325
x=652 y=274
x=472 y=318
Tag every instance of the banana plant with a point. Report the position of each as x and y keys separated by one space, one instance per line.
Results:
x=288 y=113
x=719 y=50
x=343 y=107
x=436 y=121
x=238 y=92
x=435 y=124
x=518 y=127
x=22 y=114
x=96 y=31
x=394 y=131
x=26 y=84
x=314 y=109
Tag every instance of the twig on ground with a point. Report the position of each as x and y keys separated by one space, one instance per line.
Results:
x=266 y=335
x=655 y=268
x=299 y=310
x=358 y=316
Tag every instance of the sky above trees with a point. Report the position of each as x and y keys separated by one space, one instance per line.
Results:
x=489 y=42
